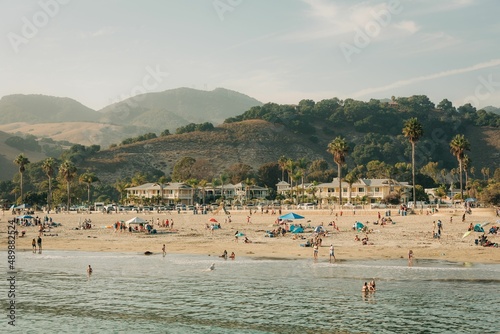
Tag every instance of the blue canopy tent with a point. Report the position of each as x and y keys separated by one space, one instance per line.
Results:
x=319 y=229
x=359 y=226
x=291 y=215
x=296 y=229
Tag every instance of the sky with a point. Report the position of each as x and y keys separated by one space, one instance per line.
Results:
x=102 y=51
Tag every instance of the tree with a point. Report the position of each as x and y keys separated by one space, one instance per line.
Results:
x=68 y=172
x=458 y=146
x=465 y=165
x=88 y=178
x=339 y=149
x=352 y=177
x=282 y=163
x=121 y=186
x=203 y=184
x=302 y=165
x=21 y=161
x=183 y=169
x=49 y=167
x=413 y=130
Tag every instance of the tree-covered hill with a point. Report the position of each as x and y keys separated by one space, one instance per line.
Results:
x=374 y=128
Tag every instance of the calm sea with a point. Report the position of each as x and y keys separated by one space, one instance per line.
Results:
x=134 y=293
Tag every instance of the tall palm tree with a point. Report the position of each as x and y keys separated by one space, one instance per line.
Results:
x=21 y=161
x=413 y=130
x=203 y=185
x=68 y=170
x=290 y=167
x=466 y=164
x=458 y=146
x=49 y=167
x=302 y=165
x=88 y=178
x=339 y=149
x=282 y=164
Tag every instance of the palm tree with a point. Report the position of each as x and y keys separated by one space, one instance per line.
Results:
x=203 y=184
x=302 y=165
x=120 y=186
x=290 y=167
x=282 y=163
x=465 y=164
x=351 y=178
x=339 y=149
x=88 y=178
x=413 y=130
x=458 y=146
x=21 y=161
x=49 y=167
x=67 y=170
x=223 y=179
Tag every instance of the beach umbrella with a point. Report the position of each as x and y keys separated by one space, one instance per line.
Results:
x=291 y=215
x=213 y=220
x=25 y=217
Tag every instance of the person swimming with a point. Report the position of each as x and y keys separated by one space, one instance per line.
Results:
x=212 y=267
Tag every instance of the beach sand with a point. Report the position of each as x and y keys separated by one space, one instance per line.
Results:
x=385 y=242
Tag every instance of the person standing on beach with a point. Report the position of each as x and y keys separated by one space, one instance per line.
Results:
x=332 y=254
x=315 y=251
x=39 y=242
x=33 y=244
x=440 y=227
x=164 y=250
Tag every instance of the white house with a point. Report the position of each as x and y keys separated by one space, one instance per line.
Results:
x=169 y=193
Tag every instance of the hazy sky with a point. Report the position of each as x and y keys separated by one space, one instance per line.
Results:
x=98 y=51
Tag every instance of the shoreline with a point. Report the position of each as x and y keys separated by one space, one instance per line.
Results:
x=388 y=242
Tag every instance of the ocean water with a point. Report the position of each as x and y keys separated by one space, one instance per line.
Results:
x=134 y=293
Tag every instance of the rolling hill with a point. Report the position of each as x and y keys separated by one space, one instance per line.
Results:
x=69 y=120
x=177 y=107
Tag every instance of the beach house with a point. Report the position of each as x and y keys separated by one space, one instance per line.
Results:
x=167 y=193
x=366 y=190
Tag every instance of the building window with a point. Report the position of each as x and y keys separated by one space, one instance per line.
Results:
x=377 y=189
x=361 y=190
x=344 y=190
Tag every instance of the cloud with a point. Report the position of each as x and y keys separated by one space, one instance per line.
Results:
x=402 y=83
x=330 y=20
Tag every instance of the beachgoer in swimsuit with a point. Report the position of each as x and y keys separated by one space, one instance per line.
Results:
x=89 y=270
x=332 y=254
x=232 y=256
x=315 y=251
x=365 y=287
x=410 y=258
x=33 y=244
x=164 y=250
